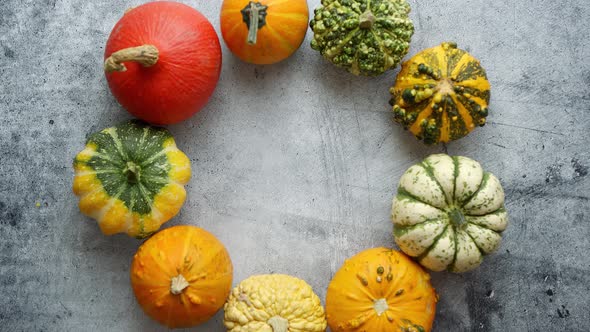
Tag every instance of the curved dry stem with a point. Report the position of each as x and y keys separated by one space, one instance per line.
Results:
x=146 y=55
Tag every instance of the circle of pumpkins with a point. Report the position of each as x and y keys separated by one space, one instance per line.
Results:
x=447 y=215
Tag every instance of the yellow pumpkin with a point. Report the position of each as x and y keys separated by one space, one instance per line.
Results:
x=131 y=178
x=441 y=94
x=380 y=290
x=274 y=303
x=181 y=276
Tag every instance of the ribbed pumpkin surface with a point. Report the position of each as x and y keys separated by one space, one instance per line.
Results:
x=380 y=290
x=449 y=213
x=441 y=94
x=281 y=29
x=131 y=178
x=181 y=276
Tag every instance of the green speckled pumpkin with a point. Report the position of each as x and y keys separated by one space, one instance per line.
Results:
x=448 y=213
x=366 y=37
x=441 y=94
x=131 y=178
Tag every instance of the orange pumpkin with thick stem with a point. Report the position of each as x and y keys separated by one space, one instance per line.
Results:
x=264 y=31
x=181 y=276
x=380 y=290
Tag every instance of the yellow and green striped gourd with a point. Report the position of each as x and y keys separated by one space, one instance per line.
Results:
x=131 y=178
x=441 y=94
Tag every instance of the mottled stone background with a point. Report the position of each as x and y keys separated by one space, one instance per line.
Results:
x=295 y=165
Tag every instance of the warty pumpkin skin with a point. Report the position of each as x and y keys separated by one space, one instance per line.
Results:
x=274 y=303
x=365 y=37
x=131 y=178
x=181 y=276
x=264 y=31
x=441 y=94
x=449 y=213
x=380 y=290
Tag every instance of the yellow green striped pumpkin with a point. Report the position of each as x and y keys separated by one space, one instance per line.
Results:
x=131 y=178
x=448 y=213
x=441 y=94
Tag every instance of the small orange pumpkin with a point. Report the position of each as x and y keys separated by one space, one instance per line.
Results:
x=264 y=31
x=380 y=290
x=181 y=276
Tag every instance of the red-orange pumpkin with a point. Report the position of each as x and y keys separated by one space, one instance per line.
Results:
x=162 y=61
x=264 y=31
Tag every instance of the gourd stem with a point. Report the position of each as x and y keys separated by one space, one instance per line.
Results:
x=178 y=284
x=253 y=28
x=445 y=87
x=457 y=217
x=278 y=324
x=254 y=15
x=380 y=306
x=367 y=19
x=132 y=172
x=146 y=55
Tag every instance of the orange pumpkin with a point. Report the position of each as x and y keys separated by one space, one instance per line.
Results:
x=181 y=276
x=379 y=290
x=264 y=31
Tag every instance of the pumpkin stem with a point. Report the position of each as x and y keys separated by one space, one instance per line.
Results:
x=178 y=284
x=146 y=55
x=254 y=15
x=367 y=19
x=380 y=306
x=457 y=217
x=132 y=172
x=278 y=324
x=445 y=87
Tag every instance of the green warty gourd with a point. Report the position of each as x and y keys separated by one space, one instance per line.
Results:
x=366 y=37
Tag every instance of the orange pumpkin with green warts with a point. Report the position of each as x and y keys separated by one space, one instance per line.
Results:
x=181 y=276
x=441 y=94
x=264 y=31
x=380 y=290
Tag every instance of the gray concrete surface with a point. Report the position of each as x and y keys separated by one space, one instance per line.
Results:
x=295 y=166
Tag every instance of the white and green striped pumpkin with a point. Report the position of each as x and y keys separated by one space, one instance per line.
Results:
x=448 y=213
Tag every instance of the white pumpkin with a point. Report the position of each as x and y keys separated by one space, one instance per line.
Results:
x=448 y=213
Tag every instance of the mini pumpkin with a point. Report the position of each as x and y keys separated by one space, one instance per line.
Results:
x=162 y=61
x=380 y=290
x=131 y=178
x=366 y=37
x=448 y=213
x=264 y=31
x=274 y=303
x=181 y=276
x=441 y=94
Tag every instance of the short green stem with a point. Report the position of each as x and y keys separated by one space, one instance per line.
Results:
x=254 y=15
x=457 y=217
x=132 y=171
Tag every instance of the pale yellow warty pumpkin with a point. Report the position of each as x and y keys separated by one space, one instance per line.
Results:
x=274 y=303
